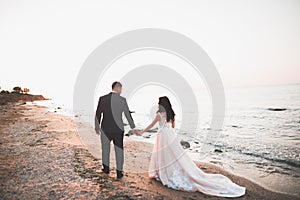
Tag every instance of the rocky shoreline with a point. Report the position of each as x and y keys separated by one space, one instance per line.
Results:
x=9 y=97
x=42 y=158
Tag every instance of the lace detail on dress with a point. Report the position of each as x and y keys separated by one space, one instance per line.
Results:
x=180 y=180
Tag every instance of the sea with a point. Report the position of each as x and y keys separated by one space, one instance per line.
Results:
x=259 y=140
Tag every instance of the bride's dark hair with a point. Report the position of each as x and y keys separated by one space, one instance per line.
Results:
x=166 y=106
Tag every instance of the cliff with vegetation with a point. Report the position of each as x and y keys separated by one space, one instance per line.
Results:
x=19 y=95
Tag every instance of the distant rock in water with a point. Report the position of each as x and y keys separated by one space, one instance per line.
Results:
x=235 y=126
x=218 y=151
x=277 y=109
x=185 y=144
x=16 y=97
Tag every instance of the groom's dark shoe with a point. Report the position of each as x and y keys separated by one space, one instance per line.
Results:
x=105 y=169
x=119 y=174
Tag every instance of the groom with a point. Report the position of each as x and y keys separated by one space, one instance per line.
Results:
x=111 y=106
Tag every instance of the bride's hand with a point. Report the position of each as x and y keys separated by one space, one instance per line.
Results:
x=138 y=132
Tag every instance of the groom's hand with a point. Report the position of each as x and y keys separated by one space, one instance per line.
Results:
x=136 y=132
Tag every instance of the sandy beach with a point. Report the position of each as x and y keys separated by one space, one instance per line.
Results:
x=42 y=157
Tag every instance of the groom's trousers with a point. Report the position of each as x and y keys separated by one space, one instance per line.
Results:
x=117 y=139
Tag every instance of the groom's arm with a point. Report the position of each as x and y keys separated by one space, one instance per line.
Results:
x=128 y=115
x=99 y=112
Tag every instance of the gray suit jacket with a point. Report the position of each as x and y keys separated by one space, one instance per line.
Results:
x=112 y=106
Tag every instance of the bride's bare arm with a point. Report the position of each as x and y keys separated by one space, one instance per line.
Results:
x=156 y=119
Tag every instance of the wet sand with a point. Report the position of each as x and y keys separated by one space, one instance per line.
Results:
x=42 y=156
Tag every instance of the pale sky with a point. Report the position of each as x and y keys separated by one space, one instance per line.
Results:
x=44 y=43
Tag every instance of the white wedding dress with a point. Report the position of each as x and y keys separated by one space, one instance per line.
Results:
x=174 y=168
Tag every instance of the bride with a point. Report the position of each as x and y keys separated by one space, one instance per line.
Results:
x=171 y=165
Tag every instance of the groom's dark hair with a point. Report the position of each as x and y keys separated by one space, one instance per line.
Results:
x=116 y=84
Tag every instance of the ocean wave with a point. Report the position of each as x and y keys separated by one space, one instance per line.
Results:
x=271 y=155
x=293 y=163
